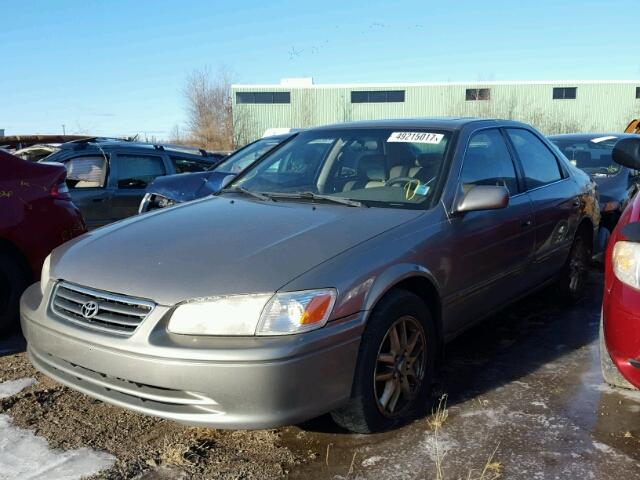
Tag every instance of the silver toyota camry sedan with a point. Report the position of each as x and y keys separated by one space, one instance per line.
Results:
x=326 y=278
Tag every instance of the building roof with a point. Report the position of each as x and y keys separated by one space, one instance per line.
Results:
x=293 y=85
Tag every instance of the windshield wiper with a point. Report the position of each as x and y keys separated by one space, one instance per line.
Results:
x=316 y=196
x=248 y=193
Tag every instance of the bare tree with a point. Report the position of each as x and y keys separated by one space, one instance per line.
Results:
x=209 y=109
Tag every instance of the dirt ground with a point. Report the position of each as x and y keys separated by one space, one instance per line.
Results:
x=523 y=398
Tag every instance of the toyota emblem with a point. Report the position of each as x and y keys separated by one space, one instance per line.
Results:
x=89 y=310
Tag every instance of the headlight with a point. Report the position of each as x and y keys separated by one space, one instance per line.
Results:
x=45 y=274
x=230 y=315
x=260 y=314
x=296 y=312
x=626 y=263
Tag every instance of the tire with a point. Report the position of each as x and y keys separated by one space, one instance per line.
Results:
x=411 y=375
x=13 y=281
x=610 y=372
x=572 y=282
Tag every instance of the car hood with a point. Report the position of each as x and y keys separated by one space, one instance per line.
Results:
x=218 y=246
x=184 y=187
x=613 y=187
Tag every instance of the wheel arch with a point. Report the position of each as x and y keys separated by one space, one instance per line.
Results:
x=9 y=247
x=415 y=279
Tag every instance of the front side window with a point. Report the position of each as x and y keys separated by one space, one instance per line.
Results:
x=245 y=157
x=87 y=171
x=379 y=167
x=538 y=162
x=487 y=161
x=138 y=171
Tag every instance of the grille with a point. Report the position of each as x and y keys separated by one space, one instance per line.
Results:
x=99 y=310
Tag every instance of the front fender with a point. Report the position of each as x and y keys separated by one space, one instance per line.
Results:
x=391 y=277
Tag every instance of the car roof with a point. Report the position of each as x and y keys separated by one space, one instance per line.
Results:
x=588 y=136
x=444 y=123
x=98 y=143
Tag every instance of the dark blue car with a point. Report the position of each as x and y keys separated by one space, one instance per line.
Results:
x=591 y=152
x=171 y=189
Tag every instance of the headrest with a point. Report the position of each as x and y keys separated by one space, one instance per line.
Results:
x=372 y=166
x=428 y=159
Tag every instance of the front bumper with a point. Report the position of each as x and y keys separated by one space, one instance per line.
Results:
x=208 y=381
x=621 y=321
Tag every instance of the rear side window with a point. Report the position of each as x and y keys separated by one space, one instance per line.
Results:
x=488 y=162
x=138 y=171
x=187 y=165
x=539 y=163
x=87 y=171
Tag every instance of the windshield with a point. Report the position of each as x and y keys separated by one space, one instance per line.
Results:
x=243 y=158
x=593 y=156
x=382 y=167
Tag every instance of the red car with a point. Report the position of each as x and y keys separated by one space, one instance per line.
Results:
x=36 y=215
x=620 y=328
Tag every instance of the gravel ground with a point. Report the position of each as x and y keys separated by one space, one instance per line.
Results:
x=70 y=420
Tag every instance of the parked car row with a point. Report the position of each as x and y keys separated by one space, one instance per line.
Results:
x=325 y=277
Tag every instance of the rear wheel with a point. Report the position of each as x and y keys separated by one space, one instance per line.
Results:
x=575 y=273
x=610 y=372
x=395 y=366
x=13 y=281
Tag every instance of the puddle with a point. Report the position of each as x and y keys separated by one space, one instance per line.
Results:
x=526 y=384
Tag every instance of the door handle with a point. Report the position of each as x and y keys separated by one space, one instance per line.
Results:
x=97 y=200
x=527 y=223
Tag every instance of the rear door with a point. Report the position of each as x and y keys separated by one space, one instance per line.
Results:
x=491 y=249
x=91 y=191
x=554 y=198
x=132 y=173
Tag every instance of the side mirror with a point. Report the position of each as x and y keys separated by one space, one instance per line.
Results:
x=484 y=197
x=626 y=152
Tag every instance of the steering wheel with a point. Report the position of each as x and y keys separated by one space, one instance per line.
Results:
x=394 y=180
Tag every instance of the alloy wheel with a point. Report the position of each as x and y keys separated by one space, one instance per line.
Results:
x=400 y=366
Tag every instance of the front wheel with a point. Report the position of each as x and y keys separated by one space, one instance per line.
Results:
x=395 y=366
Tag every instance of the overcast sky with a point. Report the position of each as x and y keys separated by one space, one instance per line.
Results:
x=114 y=68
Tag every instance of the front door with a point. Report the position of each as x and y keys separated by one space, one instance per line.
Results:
x=490 y=249
x=133 y=173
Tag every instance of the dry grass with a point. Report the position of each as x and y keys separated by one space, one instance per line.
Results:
x=436 y=422
x=492 y=469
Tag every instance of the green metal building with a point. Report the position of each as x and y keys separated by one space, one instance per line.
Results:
x=552 y=107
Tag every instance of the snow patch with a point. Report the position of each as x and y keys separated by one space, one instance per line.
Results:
x=7 y=389
x=24 y=455
x=371 y=461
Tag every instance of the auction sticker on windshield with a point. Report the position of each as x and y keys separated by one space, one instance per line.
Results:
x=416 y=137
